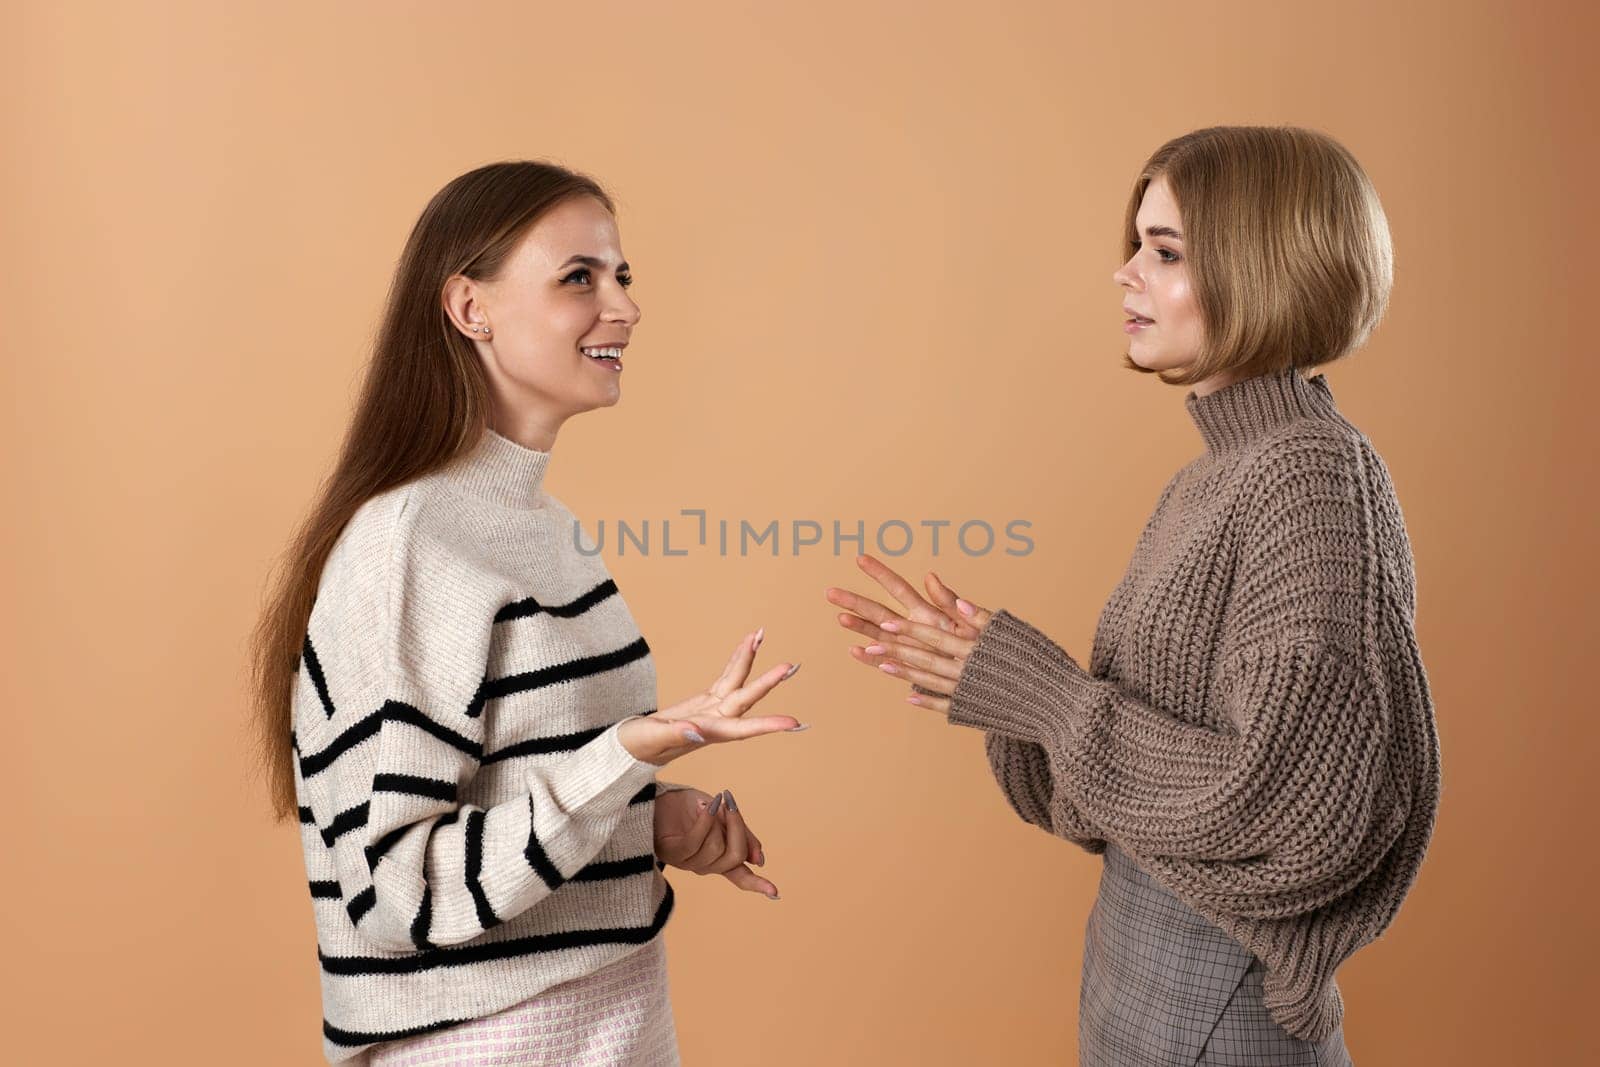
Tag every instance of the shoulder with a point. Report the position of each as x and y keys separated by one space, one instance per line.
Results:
x=1311 y=462
x=1304 y=505
x=402 y=612
x=1305 y=539
x=416 y=539
x=1328 y=460
x=360 y=555
x=1310 y=448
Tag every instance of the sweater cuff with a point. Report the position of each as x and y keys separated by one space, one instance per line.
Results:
x=1017 y=682
x=602 y=773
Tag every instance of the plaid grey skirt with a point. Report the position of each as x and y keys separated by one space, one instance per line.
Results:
x=1163 y=986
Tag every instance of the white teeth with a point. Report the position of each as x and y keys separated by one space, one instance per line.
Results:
x=603 y=353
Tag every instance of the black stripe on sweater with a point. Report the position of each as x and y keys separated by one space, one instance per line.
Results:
x=538 y=746
x=377 y=851
x=600 y=872
x=486 y=915
x=326 y=891
x=420 y=924
x=314 y=668
x=537 y=858
x=643 y=796
x=369 y=1037
x=582 y=667
x=344 y=822
x=392 y=711
x=414 y=785
x=306 y=818
x=475 y=952
x=521 y=609
x=362 y=903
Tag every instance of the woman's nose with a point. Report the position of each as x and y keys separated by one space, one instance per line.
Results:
x=624 y=310
x=1126 y=276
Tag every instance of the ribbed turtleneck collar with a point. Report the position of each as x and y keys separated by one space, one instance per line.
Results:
x=501 y=471
x=1237 y=414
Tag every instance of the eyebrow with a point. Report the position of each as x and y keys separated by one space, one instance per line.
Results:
x=1163 y=231
x=590 y=261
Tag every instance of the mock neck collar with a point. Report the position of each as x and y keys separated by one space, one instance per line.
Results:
x=1247 y=410
x=501 y=471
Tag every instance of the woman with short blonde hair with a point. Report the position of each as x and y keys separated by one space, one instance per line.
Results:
x=1252 y=745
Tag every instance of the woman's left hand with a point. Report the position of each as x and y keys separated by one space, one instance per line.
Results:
x=927 y=646
x=706 y=835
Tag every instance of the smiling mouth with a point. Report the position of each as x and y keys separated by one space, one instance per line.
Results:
x=612 y=354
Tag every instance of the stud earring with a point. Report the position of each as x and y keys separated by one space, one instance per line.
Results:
x=479 y=329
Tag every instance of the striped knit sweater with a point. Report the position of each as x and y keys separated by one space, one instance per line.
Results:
x=1254 y=727
x=474 y=831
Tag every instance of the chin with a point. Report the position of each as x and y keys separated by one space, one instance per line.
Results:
x=1145 y=359
x=1154 y=361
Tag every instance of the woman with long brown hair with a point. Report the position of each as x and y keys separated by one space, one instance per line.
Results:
x=453 y=698
x=1251 y=747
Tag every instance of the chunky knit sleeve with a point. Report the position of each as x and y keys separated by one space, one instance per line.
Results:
x=1292 y=801
x=1022 y=769
x=418 y=864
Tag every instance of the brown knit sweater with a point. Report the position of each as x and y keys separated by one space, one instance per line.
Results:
x=1255 y=727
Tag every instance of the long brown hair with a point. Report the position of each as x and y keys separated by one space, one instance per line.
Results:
x=1288 y=247
x=424 y=401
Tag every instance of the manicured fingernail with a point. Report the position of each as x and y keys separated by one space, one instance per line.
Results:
x=965 y=608
x=888 y=668
x=716 y=805
x=773 y=896
x=890 y=625
x=797 y=729
x=695 y=736
x=761 y=859
x=761 y=635
x=913 y=699
x=733 y=805
x=789 y=673
x=875 y=650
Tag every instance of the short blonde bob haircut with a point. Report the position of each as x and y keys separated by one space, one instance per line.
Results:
x=1287 y=246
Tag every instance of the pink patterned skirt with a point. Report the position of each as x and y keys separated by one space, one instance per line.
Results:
x=620 y=1015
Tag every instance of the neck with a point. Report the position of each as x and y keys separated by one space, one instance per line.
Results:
x=501 y=471
x=532 y=433
x=1213 y=383
x=1240 y=412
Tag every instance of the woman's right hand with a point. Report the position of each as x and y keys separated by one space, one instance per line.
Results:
x=713 y=715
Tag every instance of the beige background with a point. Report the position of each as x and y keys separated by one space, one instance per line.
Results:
x=873 y=246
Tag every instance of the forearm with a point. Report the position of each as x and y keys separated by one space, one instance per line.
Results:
x=1022 y=770
x=1303 y=780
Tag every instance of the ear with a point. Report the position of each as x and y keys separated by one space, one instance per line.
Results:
x=463 y=303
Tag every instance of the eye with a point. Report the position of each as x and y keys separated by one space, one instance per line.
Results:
x=1162 y=252
x=582 y=276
